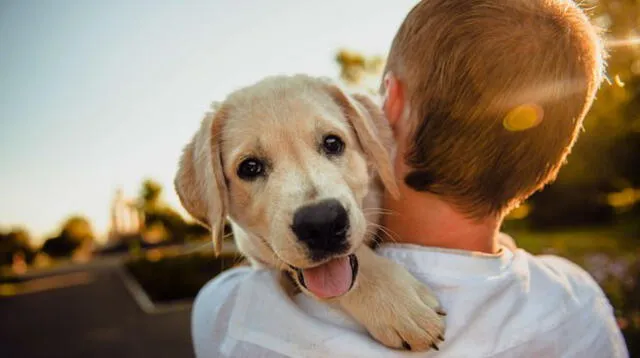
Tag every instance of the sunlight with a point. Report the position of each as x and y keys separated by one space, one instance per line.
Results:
x=545 y=92
x=615 y=43
x=523 y=117
x=624 y=199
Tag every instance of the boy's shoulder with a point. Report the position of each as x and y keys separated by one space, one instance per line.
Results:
x=568 y=303
x=561 y=272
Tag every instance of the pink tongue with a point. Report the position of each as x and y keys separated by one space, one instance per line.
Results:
x=330 y=279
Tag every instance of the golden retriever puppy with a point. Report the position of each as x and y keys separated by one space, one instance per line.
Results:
x=297 y=166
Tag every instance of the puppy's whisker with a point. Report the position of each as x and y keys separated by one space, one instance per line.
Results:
x=390 y=234
x=377 y=213
x=199 y=247
x=238 y=260
x=377 y=210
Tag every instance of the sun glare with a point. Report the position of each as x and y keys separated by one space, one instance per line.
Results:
x=615 y=43
x=523 y=117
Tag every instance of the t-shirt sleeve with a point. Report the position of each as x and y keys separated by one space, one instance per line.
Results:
x=601 y=335
x=212 y=304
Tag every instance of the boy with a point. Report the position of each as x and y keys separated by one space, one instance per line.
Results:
x=485 y=98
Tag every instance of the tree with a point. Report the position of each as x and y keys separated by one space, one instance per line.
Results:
x=59 y=247
x=358 y=70
x=78 y=229
x=156 y=212
x=76 y=232
x=150 y=194
x=15 y=242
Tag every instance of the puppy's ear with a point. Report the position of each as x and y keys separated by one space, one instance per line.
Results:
x=200 y=181
x=372 y=130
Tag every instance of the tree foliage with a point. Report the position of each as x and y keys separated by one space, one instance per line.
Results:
x=150 y=194
x=359 y=70
x=75 y=232
x=15 y=242
x=158 y=213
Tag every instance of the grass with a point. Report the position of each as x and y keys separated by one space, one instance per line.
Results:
x=576 y=245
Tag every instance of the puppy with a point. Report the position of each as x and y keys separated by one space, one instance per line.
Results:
x=298 y=166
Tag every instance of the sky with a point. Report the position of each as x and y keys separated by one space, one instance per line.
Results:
x=100 y=95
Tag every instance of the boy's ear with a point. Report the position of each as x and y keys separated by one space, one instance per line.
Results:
x=393 y=102
x=200 y=182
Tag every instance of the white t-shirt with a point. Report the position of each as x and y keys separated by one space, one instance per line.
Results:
x=508 y=305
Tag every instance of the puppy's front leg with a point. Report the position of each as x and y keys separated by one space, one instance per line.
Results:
x=396 y=309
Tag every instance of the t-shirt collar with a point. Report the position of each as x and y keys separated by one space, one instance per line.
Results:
x=441 y=261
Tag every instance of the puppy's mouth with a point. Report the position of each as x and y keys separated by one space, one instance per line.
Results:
x=331 y=279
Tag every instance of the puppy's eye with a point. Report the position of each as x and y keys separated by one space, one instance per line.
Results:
x=332 y=145
x=250 y=169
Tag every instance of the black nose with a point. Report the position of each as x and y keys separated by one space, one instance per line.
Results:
x=322 y=227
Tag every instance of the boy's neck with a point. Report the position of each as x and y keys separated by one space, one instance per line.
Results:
x=425 y=219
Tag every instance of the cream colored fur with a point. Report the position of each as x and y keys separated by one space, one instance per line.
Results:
x=283 y=119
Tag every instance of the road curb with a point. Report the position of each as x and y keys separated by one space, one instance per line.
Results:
x=144 y=301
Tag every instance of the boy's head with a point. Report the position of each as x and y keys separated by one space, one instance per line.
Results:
x=492 y=94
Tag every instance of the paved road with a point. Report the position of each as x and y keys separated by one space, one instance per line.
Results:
x=97 y=319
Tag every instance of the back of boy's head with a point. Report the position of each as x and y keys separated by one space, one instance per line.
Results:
x=497 y=91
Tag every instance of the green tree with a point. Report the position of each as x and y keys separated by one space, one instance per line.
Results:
x=77 y=228
x=75 y=232
x=15 y=242
x=359 y=70
x=156 y=212
x=150 y=194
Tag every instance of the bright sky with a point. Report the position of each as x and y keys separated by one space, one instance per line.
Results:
x=96 y=95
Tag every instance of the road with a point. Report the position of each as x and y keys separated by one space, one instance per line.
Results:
x=91 y=314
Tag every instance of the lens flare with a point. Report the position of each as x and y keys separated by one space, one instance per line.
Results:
x=614 y=43
x=523 y=117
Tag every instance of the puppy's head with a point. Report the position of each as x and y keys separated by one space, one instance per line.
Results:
x=289 y=160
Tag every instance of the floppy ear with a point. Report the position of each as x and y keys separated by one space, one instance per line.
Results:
x=373 y=132
x=200 y=182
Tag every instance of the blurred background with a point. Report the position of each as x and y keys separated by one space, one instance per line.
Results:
x=97 y=99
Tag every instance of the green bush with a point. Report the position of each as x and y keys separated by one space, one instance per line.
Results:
x=178 y=277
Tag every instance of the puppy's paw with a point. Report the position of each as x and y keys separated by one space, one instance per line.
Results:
x=404 y=314
x=396 y=309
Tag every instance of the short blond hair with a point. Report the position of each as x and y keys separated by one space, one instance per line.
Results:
x=465 y=65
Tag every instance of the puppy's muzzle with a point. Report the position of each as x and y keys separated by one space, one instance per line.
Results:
x=323 y=228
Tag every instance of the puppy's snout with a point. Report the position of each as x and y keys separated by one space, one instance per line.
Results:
x=322 y=226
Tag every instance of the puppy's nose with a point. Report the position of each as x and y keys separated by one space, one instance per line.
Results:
x=322 y=226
